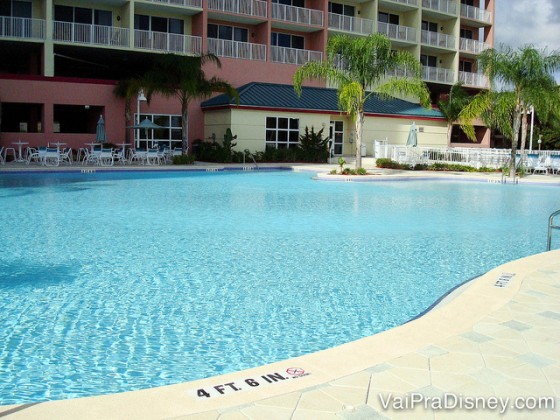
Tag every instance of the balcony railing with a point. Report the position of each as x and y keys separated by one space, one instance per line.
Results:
x=293 y=55
x=402 y=33
x=476 y=13
x=163 y=41
x=472 y=46
x=351 y=24
x=80 y=33
x=438 y=74
x=474 y=79
x=409 y=2
x=183 y=3
x=14 y=27
x=444 y=6
x=236 y=49
x=256 y=8
x=297 y=14
x=437 y=39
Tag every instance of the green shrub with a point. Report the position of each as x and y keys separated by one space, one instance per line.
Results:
x=361 y=171
x=312 y=147
x=389 y=164
x=183 y=160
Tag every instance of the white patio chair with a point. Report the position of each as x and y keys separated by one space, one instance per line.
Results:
x=555 y=164
x=119 y=156
x=49 y=156
x=153 y=157
x=66 y=156
x=541 y=166
x=105 y=157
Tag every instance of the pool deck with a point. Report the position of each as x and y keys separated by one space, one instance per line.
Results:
x=497 y=336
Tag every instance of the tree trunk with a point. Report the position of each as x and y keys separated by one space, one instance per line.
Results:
x=523 y=130
x=185 y=128
x=514 y=141
x=449 y=131
x=359 y=134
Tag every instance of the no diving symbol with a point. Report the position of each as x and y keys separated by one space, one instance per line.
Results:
x=295 y=371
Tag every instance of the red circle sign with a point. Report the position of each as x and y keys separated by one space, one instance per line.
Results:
x=295 y=371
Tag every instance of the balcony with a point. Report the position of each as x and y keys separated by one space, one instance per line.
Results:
x=22 y=28
x=80 y=33
x=293 y=55
x=472 y=46
x=397 y=32
x=236 y=49
x=476 y=14
x=441 y=6
x=181 y=3
x=437 y=39
x=474 y=79
x=163 y=41
x=298 y=15
x=407 y=2
x=350 y=24
x=438 y=74
x=249 y=8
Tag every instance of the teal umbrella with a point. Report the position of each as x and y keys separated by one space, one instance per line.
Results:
x=412 y=136
x=100 y=135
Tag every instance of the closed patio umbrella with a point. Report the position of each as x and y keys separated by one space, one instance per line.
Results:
x=412 y=136
x=100 y=135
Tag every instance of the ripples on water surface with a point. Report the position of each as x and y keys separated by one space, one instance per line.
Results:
x=113 y=282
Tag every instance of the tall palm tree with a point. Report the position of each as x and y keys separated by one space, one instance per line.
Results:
x=184 y=78
x=520 y=79
x=360 y=68
x=452 y=106
x=127 y=89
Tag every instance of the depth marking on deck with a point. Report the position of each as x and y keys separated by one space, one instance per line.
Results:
x=246 y=384
x=504 y=279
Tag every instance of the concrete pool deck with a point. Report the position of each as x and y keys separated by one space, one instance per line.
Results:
x=497 y=336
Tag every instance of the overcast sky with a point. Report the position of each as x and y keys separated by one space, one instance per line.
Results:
x=520 y=22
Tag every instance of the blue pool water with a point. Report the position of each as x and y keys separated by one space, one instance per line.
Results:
x=120 y=281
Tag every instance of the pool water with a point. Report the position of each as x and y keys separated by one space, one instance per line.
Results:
x=112 y=282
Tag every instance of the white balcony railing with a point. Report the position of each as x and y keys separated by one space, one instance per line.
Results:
x=14 y=27
x=297 y=14
x=444 y=6
x=236 y=49
x=438 y=39
x=476 y=13
x=409 y=2
x=293 y=55
x=163 y=41
x=472 y=46
x=256 y=8
x=438 y=74
x=183 y=3
x=474 y=79
x=402 y=33
x=80 y=33
x=351 y=24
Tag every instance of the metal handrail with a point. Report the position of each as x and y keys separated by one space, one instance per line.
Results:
x=550 y=227
x=252 y=156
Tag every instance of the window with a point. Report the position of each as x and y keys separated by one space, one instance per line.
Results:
x=468 y=2
x=15 y=8
x=429 y=26
x=230 y=33
x=296 y=3
x=21 y=118
x=428 y=60
x=287 y=40
x=388 y=18
x=158 y=24
x=466 y=33
x=282 y=132
x=342 y=9
x=76 y=119
x=466 y=66
x=168 y=135
x=83 y=15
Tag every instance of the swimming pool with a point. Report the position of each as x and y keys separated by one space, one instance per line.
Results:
x=119 y=281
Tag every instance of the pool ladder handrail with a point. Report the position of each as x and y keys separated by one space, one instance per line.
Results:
x=247 y=152
x=550 y=227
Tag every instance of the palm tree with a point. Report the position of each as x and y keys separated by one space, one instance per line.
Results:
x=360 y=68
x=452 y=106
x=184 y=78
x=525 y=79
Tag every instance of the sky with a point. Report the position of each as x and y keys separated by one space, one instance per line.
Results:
x=522 y=22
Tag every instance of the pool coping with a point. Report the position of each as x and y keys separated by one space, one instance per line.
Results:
x=454 y=314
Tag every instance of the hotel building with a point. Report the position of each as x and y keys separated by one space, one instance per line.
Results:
x=61 y=60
